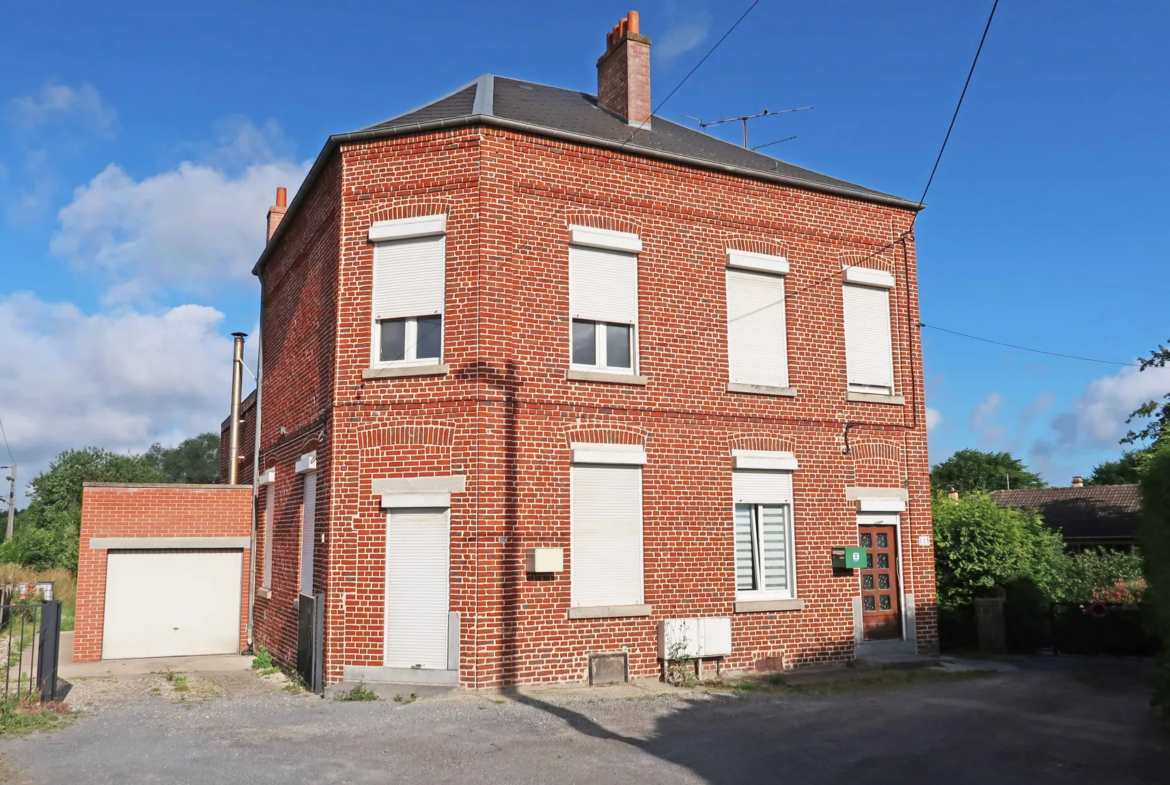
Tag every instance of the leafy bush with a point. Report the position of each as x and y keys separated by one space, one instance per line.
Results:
x=1100 y=575
x=1154 y=536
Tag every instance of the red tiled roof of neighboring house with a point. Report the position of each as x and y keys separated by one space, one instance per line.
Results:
x=1098 y=512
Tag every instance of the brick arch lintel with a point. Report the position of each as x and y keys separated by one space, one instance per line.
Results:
x=756 y=245
x=882 y=260
x=595 y=219
x=768 y=442
x=876 y=451
x=441 y=436
x=603 y=433
x=410 y=209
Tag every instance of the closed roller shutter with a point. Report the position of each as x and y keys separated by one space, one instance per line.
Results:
x=868 y=354
x=417 y=588
x=603 y=285
x=606 y=540
x=761 y=487
x=172 y=603
x=757 y=344
x=409 y=277
x=308 y=532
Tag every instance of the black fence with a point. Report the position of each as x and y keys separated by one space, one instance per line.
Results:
x=30 y=640
x=1092 y=628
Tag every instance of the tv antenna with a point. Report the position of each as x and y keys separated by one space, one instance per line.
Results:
x=744 y=119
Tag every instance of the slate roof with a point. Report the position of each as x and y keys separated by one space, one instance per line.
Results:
x=539 y=108
x=1099 y=512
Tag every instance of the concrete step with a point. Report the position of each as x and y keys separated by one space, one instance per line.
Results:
x=897 y=661
x=389 y=691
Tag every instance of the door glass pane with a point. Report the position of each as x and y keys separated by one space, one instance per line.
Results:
x=745 y=570
x=869 y=561
x=882 y=540
x=883 y=561
x=867 y=540
x=885 y=602
x=883 y=580
x=584 y=343
x=430 y=337
x=393 y=340
x=867 y=582
x=617 y=345
x=868 y=600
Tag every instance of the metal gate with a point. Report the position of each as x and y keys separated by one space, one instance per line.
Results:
x=311 y=641
x=30 y=640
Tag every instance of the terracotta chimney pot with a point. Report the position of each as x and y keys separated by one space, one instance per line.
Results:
x=277 y=211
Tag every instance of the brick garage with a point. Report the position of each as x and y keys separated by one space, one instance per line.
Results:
x=146 y=531
x=493 y=426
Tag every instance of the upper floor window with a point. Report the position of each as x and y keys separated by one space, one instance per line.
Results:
x=868 y=345
x=603 y=299
x=757 y=341
x=409 y=281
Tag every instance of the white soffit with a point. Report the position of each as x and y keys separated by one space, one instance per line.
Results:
x=404 y=228
x=881 y=505
x=764 y=459
x=746 y=260
x=605 y=238
x=869 y=277
x=625 y=454
x=267 y=477
x=392 y=500
x=307 y=463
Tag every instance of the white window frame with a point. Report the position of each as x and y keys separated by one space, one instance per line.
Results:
x=599 y=349
x=747 y=595
x=872 y=279
x=622 y=242
x=757 y=264
x=408 y=229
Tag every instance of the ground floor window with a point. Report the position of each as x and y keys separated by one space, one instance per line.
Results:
x=763 y=551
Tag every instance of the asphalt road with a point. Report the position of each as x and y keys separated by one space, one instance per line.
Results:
x=1061 y=720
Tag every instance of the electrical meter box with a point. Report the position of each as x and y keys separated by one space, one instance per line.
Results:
x=849 y=558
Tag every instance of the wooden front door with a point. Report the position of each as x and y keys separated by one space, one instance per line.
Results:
x=881 y=611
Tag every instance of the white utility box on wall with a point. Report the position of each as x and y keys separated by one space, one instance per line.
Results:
x=695 y=638
x=545 y=560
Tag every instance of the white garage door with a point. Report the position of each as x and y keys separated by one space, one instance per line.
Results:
x=172 y=603
x=417 y=593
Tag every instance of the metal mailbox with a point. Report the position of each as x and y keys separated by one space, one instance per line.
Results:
x=849 y=558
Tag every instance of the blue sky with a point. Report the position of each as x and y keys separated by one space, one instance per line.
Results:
x=140 y=145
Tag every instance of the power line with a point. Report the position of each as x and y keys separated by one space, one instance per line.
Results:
x=11 y=457
x=1023 y=348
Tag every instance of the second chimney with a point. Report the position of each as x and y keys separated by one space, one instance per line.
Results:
x=276 y=212
x=1078 y=482
x=623 y=73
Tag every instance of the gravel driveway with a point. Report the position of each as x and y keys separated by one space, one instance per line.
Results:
x=1051 y=720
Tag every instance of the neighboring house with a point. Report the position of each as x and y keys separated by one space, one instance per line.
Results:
x=530 y=387
x=1102 y=516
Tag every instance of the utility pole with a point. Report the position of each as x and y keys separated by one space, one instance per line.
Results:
x=11 y=498
x=744 y=119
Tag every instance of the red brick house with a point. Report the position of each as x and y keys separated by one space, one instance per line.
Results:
x=542 y=376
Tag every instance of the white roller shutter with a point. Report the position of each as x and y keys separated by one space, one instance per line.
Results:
x=269 y=512
x=409 y=277
x=757 y=344
x=603 y=285
x=171 y=603
x=606 y=539
x=761 y=487
x=774 y=547
x=417 y=588
x=868 y=354
x=308 y=532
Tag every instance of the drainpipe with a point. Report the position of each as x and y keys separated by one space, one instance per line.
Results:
x=256 y=466
x=234 y=430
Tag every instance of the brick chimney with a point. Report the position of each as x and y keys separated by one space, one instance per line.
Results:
x=277 y=211
x=623 y=73
x=1078 y=482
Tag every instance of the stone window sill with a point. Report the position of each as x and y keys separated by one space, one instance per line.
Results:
x=401 y=371
x=761 y=389
x=606 y=377
x=757 y=606
x=894 y=400
x=264 y=594
x=610 y=611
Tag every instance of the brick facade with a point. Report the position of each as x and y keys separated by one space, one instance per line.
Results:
x=127 y=510
x=505 y=414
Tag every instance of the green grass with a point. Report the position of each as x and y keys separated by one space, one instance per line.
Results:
x=358 y=694
x=837 y=682
x=28 y=715
x=262 y=661
x=404 y=699
x=68 y=612
x=180 y=684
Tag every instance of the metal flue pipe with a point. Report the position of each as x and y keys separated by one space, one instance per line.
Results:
x=233 y=475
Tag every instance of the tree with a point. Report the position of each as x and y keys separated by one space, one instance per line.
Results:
x=1154 y=538
x=48 y=531
x=1126 y=470
x=973 y=470
x=1157 y=428
x=194 y=460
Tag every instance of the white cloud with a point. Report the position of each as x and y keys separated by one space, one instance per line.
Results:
x=1097 y=416
x=119 y=381
x=184 y=228
x=933 y=419
x=57 y=103
x=983 y=420
x=690 y=24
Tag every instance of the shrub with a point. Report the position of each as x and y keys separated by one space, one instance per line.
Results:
x=358 y=694
x=1154 y=536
